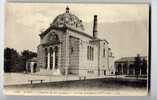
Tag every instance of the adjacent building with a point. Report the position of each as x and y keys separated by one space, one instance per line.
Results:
x=31 y=65
x=127 y=66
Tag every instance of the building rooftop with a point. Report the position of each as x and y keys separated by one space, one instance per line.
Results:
x=131 y=59
x=67 y=18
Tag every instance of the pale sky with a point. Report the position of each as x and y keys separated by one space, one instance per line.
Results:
x=124 y=26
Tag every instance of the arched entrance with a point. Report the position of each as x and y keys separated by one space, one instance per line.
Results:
x=51 y=53
x=119 y=69
x=34 y=68
x=124 y=69
x=131 y=69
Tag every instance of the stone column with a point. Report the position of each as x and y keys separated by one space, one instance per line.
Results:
x=128 y=67
x=53 y=59
x=122 y=68
x=66 y=70
x=26 y=66
x=32 y=66
x=66 y=53
x=134 y=71
x=116 y=67
x=140 y=71
x=48 y=60
x=59 y=57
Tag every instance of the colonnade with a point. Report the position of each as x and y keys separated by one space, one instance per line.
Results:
x=51 y=58
x=127 y=69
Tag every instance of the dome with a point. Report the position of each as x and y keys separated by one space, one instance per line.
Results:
x=68 y=19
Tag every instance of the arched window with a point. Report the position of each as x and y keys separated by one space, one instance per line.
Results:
x=104 y=54
x=90 y=53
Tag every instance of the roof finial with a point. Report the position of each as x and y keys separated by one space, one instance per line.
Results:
x=67 y=9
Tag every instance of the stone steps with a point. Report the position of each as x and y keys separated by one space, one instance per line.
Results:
x=49 y=72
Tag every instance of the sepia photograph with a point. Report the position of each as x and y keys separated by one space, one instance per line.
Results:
x=62 y=49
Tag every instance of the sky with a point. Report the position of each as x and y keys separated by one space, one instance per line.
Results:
x=124 y=26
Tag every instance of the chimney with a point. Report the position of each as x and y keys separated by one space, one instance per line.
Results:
x=95 y=32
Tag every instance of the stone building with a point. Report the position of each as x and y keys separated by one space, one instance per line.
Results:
x=66 y=49
x=126 y=66
x=31 y=65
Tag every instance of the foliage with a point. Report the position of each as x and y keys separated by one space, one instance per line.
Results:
x=26 y=54
x=15 y=62
x=140 y=63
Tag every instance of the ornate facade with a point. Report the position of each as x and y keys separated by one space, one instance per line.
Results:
x=65 y=49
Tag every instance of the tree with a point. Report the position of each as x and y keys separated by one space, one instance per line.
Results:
x=26 y=54
x=138 y=64
x=14 y=62
x=7 y=59
x=144 y=66
x=11 y=59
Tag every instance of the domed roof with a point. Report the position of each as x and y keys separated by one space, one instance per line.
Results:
x=68 y=19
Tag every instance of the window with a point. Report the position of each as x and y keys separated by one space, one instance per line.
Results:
x=71 y=50
x=91 y=71
x=46 y=55
x=104 y=72
x=87 y=52
x=104 y=53
x=111 y=54
x=90 y=53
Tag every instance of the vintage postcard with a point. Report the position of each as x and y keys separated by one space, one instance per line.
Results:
x=76 y=49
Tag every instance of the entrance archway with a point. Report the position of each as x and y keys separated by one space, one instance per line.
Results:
x=131 y=69
x=119 y=69
x=34 y=68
